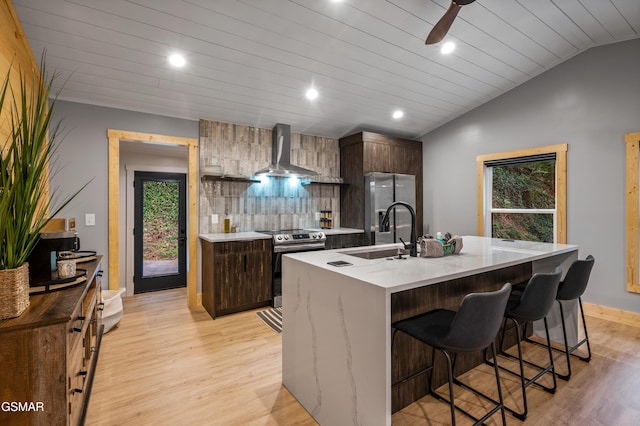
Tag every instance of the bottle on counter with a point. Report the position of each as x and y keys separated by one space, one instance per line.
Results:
x=227 y=224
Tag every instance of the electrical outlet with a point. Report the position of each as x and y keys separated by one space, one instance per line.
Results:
x=90 y=219
x=317 y=215
x=214 y=219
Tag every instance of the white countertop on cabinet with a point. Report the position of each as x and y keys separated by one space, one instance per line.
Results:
x=234 y=236
x=478 y=255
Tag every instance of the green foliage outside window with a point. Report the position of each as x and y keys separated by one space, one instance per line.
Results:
x=160 y=215
x=523 y=226
x=524 y=186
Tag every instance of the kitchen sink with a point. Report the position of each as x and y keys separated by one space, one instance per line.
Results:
x=377 y=254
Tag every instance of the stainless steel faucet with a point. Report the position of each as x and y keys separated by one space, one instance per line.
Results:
x=413 y=245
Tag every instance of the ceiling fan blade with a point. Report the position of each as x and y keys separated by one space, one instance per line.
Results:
x=441 y=28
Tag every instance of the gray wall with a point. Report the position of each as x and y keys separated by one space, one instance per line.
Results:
x=83 y=156
x=589 y=102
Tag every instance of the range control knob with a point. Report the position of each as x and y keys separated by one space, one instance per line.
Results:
x=286 y=237
x=279 y=238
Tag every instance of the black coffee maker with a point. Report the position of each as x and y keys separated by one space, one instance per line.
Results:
x=42 y=261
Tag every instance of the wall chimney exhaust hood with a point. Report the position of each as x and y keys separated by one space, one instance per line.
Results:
x=281 y=156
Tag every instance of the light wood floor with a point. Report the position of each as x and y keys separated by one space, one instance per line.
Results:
x=168 y=365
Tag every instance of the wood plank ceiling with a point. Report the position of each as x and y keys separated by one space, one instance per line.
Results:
x=251 y=61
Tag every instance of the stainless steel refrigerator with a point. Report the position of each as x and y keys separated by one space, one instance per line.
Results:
x=381 y=190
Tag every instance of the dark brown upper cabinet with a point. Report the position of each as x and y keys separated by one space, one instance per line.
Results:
x=366 y=152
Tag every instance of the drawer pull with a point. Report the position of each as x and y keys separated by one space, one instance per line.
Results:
x=82 y=373
x=81 y=318
x=77 y=329
x=77 y=390
x=101 y=306
x=99 y=273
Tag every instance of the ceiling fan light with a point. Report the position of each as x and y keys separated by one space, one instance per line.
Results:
x=448 y=47
x=397 y=114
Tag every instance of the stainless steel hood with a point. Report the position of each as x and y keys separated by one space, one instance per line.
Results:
x=281 y=156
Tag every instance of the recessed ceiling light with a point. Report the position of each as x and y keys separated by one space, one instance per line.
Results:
x=397 y=114
x=311 y=94
x=448 y=47
x=177 y=60
x=336 y=1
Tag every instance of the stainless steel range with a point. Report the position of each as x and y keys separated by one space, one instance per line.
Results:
x=290 y=241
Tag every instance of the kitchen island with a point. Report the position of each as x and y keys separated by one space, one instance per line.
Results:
x=336 y=343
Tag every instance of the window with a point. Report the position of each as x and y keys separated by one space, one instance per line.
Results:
x=522 y=194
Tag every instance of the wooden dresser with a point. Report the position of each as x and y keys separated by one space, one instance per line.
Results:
x=48 y=355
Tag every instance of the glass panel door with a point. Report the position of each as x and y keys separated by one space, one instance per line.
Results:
x=159 y=231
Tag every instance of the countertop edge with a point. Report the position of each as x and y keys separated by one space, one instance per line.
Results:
x=234 y=236
x=337 y=231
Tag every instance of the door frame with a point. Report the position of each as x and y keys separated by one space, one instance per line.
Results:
x=114 y=137
x=130 y=171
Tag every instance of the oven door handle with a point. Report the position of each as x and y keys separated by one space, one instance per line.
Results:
x=295 y=248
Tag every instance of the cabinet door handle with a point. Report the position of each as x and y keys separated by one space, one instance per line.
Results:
x=77 y=329
x=245 y=263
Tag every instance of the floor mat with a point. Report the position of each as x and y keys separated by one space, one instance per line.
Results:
x=272 y=318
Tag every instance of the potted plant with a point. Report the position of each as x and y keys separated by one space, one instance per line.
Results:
x=26 y=202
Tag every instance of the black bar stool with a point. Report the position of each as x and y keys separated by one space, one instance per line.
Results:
x=533 y=304
x=571 y=288
x=472 y=329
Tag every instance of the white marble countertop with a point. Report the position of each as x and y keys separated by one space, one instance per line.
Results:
x=243 y=236
x=234 y=236
x=479 y=254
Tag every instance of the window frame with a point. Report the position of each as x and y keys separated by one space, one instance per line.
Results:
x=484 y=190
x=632 y=142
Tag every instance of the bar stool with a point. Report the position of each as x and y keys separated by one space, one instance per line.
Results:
x=571 y=288
x=533 y=304
x=472 y=328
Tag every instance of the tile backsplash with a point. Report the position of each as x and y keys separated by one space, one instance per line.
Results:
x=274 y=203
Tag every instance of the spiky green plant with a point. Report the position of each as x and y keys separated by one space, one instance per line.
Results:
x=26 y=205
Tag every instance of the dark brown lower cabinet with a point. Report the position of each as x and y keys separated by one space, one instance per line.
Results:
x=236 y=276
x=344 y=241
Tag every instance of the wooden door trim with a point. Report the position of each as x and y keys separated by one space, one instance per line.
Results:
x=115 y=136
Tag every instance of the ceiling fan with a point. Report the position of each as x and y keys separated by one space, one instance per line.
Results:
x=441 y=28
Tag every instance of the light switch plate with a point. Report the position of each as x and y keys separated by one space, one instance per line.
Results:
x=214 y=219
x=90 y=219
x=317 y=215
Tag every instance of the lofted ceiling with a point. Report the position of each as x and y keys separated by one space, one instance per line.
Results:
x=251 y=61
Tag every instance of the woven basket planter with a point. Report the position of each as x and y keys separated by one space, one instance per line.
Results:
x=14 y=291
